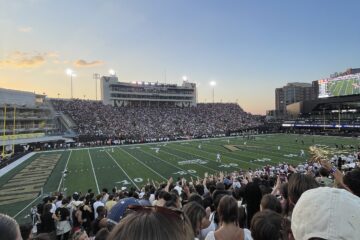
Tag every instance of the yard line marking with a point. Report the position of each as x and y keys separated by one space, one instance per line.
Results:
x=92 y=166
x=123 y=171
x=224 y=152
x=144 y=164
x=203 y=157
x=212 y=169
x=27 y=206
x=167 y=162
x=62 y=177
x=272 y=153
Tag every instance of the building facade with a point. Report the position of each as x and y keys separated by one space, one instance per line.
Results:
x=146 y=94
x=292 y=93
x=23 y=113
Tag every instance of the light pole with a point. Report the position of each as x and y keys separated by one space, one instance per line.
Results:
x=72 y=74
x=96 y=76
x=213 y=84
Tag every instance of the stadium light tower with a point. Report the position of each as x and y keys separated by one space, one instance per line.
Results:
x=72 y=74
x=185 y=78
x=213 y=84
x=112 y=72
x=96 y=76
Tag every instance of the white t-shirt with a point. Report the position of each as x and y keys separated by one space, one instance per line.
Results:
x=105 y=198
x=53 y=208
x=96 y=205
x=212 y=227
x=58 y=204
x=152 y=198
x=178 y=189
x=247 y=235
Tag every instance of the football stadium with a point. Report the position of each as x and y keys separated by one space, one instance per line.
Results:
x=141 y=140
x=149 y=153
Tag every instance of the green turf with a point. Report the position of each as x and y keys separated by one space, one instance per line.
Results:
x=344 y=87
x=134 y=165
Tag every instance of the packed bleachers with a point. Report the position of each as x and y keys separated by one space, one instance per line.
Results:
x=95 y=119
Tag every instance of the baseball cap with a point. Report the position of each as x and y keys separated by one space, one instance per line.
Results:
x=227 y=182
x=327 y=213
x=117 y=211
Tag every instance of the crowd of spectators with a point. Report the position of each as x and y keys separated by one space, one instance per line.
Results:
x=309 y=201
x=95 y=119
x=314 y=200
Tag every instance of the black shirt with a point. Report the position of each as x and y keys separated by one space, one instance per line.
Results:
x=47 y=223
x=62 y=213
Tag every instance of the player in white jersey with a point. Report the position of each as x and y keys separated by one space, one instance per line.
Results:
x=279 y=148
x=228 y=141
x=157 y=150
x=302 y=153
x=218 y=157
x=199 y=147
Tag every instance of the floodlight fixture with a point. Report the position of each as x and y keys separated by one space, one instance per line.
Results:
x=112 y=72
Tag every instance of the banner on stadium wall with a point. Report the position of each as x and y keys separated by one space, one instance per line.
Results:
x=21 y=136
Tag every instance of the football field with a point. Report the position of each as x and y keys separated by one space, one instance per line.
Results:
x=135 y=165
x=344 y=87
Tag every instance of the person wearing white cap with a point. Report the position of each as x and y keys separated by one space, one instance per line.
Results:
x=326 y=213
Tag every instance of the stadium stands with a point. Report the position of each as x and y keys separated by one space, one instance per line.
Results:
x=142 y=123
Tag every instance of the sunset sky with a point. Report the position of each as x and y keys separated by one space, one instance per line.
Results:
x=248 y=47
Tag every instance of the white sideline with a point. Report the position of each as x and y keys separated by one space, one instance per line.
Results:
x=62 y=176
x=235 y=159
x=144 y=164
x=167 y=162
x=178 y=156
x=123 y=171
x=13 y=165
x=27 y=206
x=92 y=166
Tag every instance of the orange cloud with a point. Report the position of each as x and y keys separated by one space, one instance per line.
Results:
x=83 y=63
x=19 y=59
x=22 y=60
